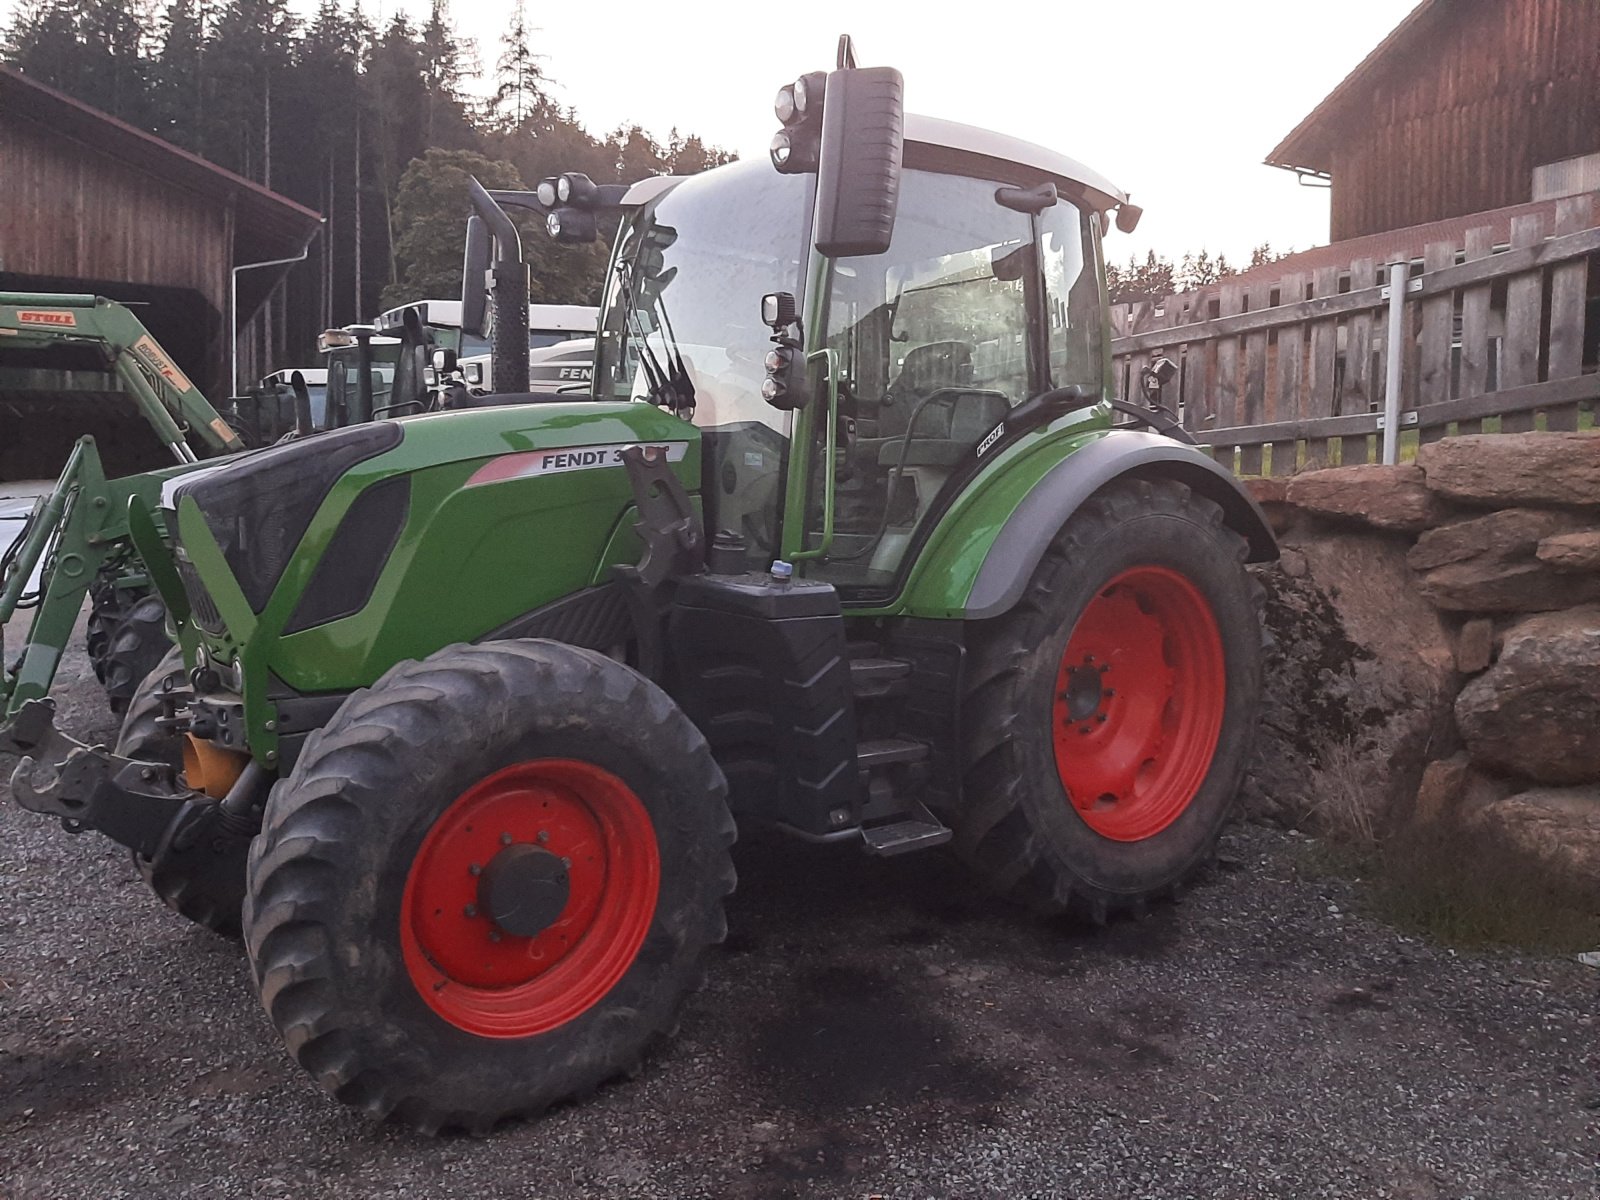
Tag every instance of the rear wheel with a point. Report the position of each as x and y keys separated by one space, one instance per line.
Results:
x=1112 y=710
x=488 y=883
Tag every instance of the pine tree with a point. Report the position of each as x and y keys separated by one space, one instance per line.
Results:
x=519 y=78
x=178 y=73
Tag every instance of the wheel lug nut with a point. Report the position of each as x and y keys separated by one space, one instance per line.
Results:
x=1085 y=729
x=471 y=910
x=1101 y=717
x=1110 y=693
x=494 y=935
x=544 y=836
x=566 y=862
x=475 y=869
x=505 y=839
x=1104 y=667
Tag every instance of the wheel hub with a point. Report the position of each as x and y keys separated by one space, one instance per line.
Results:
x=1084 y=692
x=529 y=897
x=524 y=889
x=1138 y=703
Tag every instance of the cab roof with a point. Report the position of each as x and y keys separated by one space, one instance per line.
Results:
x=976 y=147
x=969 y=141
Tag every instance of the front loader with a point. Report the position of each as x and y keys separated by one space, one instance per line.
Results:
x=66 y=362
x=845 y=543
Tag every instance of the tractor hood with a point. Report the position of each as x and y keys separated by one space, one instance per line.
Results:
x=378 y=520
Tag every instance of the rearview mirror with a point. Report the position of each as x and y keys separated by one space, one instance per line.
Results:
x=858 y=170
x=474 y=276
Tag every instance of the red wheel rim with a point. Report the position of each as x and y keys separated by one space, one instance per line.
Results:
x=1138 y=703
x=493 y=983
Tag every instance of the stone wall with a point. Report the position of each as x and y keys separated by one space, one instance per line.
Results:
x=1437 y=630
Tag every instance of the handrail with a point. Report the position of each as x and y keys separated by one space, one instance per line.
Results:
x=830 y=471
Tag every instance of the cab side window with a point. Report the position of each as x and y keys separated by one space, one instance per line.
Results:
x=1072 y=296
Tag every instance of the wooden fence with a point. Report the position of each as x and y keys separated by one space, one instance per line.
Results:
x=1288 y=375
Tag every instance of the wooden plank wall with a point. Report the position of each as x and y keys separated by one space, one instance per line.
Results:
x=1290 y=375
x=1503 y=86
x=72 y=211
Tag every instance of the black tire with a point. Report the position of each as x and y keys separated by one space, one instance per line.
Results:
x=1019 y=829
x=206 y=893
x=126 y=638
x=329 y=872
x=140 y=736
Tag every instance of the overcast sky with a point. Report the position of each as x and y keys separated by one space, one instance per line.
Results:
x=1178 y=101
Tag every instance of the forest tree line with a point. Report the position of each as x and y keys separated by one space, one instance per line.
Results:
x=1158 y=277
x=370 y=125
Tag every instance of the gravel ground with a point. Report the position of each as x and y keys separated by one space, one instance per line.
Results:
x=870 y=1029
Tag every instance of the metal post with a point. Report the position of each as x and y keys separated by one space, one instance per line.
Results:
x=1399 y=275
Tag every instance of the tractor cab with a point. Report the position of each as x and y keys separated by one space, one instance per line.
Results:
x=918 y=359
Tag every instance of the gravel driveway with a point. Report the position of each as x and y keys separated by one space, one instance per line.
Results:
x=870 y=1029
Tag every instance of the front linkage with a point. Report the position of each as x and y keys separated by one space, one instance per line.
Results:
x=89 y=787
x=194 y=840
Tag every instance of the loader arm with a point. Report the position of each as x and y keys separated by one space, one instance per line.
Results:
x=166 y=397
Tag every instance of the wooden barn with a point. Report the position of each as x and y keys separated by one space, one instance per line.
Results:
x=1468 y=106
x=92 y=204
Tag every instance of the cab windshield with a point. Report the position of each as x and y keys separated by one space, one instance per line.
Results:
x=686 y=286
x=682 y=328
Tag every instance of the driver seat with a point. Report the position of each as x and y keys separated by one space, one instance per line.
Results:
x=947 y=428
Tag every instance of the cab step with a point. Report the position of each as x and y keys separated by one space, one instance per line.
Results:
x=872 y=677
x=883 y=752
x=920 y=832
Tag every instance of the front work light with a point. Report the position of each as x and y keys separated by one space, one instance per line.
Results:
x=572 y=225
x=786 y=105
x=796 y=146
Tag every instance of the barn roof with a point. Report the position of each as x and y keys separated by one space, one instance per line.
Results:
x=1309 y=144
x=267 y=225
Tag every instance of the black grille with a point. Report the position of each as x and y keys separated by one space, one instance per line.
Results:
x=200 y=603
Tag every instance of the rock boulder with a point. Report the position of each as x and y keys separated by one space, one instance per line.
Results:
x=1393 y=498
x=1360 y=661
x=1515 y=469
x=1490 y=564
x=1557 y=826
x=1536 y=712
x=1572 y=552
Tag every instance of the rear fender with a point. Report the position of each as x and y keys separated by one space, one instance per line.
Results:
x=1019 y=545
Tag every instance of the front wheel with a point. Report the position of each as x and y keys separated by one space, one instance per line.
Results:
x=488 y=883
x=1112 y=711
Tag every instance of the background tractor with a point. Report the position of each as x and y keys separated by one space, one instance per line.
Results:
x=844 y=543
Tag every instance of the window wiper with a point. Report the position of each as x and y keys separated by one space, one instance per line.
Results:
x=681 y=397
x=669 y=385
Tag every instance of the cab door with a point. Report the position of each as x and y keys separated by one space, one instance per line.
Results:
x=974 y=308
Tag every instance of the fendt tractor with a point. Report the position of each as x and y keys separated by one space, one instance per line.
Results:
x=845 y=542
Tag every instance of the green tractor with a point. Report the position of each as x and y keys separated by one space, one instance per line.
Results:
x=846 y=543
